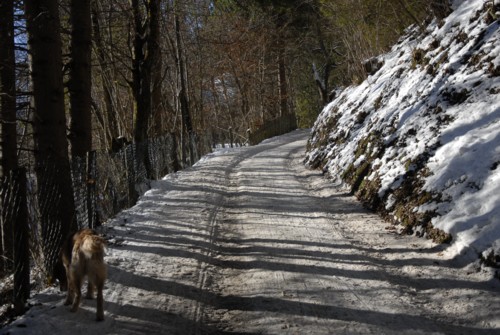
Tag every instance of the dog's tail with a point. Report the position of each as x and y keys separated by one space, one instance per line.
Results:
x=93 y=247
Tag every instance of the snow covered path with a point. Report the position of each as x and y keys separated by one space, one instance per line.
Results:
x=250 y=242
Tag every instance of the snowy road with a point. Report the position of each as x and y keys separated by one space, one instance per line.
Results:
x=250 y=242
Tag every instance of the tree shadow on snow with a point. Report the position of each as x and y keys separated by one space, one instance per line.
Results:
x=391 y=321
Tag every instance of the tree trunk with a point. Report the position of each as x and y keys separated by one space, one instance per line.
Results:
x=49 y=125
x=110 y=118
x=141 y=86
x=21 y=250
x=8 y=153
x=187 y=125
x=283 y=92
x=8 y=140
x=80 y=80
x=141 y=76
x=322 y=79
x=156 y=64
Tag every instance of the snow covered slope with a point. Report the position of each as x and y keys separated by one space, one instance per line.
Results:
x=419 y=140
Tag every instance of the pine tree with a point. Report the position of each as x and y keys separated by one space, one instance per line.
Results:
x=8 y=140
x=49 y=125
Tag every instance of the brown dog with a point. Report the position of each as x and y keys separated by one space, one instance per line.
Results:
x=82 y=254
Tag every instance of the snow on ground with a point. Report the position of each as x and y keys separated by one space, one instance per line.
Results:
x=249 y=241
x=431 y=113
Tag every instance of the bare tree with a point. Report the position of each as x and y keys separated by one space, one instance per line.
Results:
x=154 y=50
x=141 y=70
x=146 y=50
x=182 y=94
x=107 y=115
x=80 y=79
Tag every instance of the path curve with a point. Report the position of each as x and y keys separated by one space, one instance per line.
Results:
x=250 y=242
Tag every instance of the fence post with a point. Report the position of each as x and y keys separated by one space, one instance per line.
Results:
x=248 y=136
x=21 y=244
x=91 y=195
x=131 y=170
x=174 y=155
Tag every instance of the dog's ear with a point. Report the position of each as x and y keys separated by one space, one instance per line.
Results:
x=59 y=273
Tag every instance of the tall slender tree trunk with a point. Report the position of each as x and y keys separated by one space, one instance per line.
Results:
x=156 y=64
x=322 y=78
x=8 y=140
x=141 y=72
x=280 y=22
x=109 y=117
x=282 y=83
x=187 y=124
x=49 y=125
x=80 y=80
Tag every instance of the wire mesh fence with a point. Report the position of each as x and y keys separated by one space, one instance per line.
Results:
x=53 y=201
x=118 y=175
x=15 y=234
x=278 y=126
x=83 y=176
x=102 y=183
x=38 y=207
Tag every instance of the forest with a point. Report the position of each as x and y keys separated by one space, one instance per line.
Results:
x=83 y=76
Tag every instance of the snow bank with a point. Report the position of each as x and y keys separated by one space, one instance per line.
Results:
x=420 y=139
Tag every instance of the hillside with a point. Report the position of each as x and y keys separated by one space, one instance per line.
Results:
x=419 y=139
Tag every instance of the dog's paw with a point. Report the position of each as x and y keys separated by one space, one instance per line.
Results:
x=68 y=302
x=99 y=318
x=73 y=309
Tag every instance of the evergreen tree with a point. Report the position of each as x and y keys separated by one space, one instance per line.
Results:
x=49 y=123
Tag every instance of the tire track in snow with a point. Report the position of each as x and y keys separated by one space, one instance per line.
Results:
x=207 y=270
x=250 y=242
x=289 y=263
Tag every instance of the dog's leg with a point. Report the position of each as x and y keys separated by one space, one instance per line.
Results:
x=90 y=290
x=69 y=297
x=69 y=294
x=100 y=301
x=77 y=286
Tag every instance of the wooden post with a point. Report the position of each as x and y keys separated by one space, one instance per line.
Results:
x=231 y=139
